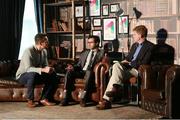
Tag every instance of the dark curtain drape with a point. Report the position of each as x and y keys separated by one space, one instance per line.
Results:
x=11 y=20
x=38 y=8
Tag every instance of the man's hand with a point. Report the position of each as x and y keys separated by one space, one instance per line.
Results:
x=69 y=67
x=47 y=69
x=125 y=62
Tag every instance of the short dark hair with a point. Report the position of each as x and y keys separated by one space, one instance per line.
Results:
x=141 y=29
x=95 y=37
x=40 y=37
x=162 y=33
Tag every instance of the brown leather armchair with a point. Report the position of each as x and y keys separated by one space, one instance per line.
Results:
x=101 y=69
x=129 y=88
x=159 y=89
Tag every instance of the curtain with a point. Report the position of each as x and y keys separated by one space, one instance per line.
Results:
x=39 y=13
x=11 y=20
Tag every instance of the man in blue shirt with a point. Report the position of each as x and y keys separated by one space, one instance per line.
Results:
x=139 y=54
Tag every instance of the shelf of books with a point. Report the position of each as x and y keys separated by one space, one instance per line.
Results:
x=63 y=28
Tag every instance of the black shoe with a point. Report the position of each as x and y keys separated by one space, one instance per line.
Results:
x=54 y=101
x=64 y=102
x=83 y=103
x=66 y=98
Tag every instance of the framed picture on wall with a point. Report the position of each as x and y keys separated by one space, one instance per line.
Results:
x=79 y=11
x=95 y=7
x=98 y=33
x=123 y=24
x=105 y=10
x=114 y=7
x=109 y=28
x=96 y=22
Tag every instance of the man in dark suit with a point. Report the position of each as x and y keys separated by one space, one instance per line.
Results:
x=139 y=54
x=83 y=69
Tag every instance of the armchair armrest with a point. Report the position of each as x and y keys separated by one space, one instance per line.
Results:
x=101 y=70
x=172 y=74
x=144 y=71
x=172 y=96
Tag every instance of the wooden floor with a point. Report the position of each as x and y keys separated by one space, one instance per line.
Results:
x=18 y=110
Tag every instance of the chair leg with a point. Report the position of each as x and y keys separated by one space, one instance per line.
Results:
x=134 y=90
x=134 y=95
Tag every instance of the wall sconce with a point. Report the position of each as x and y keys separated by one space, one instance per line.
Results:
x=137 y=13
x=119 y=12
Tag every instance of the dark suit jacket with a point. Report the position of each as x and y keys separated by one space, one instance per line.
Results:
x=143 y=56
x=83 y=57
x=162 y=54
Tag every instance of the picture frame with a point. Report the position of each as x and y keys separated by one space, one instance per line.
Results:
x=109 y=28
x=105 y=10
x=79 y=11
x=95 y=7
x=123 y=24
x=97 y=22
x=114 y=7
x=98 y=33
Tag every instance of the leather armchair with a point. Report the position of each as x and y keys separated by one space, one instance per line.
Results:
x=129 y=90
x=101 y=69
x=159 y=89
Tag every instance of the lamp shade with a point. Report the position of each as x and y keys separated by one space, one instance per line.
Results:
x=119 y=12
x=137 y=13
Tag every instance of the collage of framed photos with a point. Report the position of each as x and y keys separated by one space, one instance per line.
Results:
x=104 y=25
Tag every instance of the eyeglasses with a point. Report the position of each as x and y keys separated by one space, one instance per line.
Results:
x=90 y=42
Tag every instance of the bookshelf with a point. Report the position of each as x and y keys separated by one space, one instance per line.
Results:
x=63 y=28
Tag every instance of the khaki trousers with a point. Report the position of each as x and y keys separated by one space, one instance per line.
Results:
x=118 y=75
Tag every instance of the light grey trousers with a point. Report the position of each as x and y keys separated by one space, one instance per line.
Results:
x=118 y=74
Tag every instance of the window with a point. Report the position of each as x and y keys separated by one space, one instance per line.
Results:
x=29 y=29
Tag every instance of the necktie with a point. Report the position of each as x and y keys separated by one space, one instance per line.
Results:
x=91 y=60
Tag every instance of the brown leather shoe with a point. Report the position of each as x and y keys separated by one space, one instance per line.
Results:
x=104 y=105
x=45 y=102
x=31 y=104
